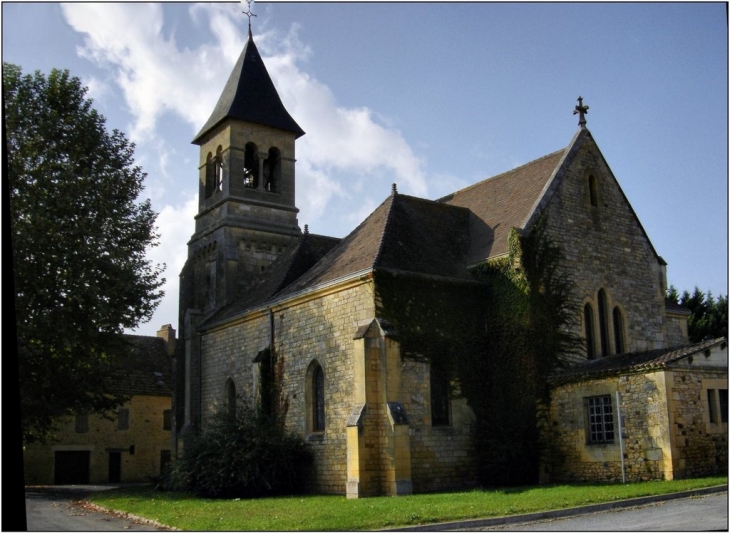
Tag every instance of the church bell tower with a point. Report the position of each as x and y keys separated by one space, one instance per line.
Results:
x=246 y=215
x=246 y=209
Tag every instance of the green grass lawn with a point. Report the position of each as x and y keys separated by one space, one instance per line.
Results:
x=336 y=513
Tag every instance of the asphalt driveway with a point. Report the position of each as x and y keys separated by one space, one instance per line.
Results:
x=61 y=508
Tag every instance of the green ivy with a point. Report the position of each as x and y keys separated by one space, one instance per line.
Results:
x=498 y=337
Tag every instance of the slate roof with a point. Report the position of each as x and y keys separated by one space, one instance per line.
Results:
x=502 y=202
x=148 y=371
x=250 y=95
x=631 y=362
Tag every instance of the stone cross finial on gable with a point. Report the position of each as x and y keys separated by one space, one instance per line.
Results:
x=582 y=110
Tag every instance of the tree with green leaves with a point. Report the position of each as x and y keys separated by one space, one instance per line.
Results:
x=708 y=319
x=79 y=239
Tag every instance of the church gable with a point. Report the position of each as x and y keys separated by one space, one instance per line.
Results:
x=619 y=279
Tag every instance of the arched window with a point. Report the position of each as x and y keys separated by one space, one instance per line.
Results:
x=318 y=399
x=593 y=190
x=219 y=169
x=231 y=397
x=209 y=175
x=603 y=322
x=251 y=166
x=590 y=337
x=618 y=330
x=439 y=397
x=272 y=170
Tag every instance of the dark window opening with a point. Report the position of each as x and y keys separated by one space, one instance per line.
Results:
x=251 y=166
x=618 y=330
x=272 y=170
x=123 y=419
x=593 y=190
x=590 y=337
x=219 y=169
x=167 y=420
x=603 y=322
x=209 y=176
x=318 y=422
x=82 y=423
x=439 y=397
x=231 y=398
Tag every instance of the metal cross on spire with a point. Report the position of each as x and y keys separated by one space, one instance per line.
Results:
x=582 y=110
x=248 y=12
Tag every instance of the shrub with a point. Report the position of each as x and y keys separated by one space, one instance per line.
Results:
x=247 y=455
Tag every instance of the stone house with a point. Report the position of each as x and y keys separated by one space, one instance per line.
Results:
x=135 y=445
x=668 y=405
x=376 y=422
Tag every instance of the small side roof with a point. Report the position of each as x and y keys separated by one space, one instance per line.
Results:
x=250 y=95
x=632 y=362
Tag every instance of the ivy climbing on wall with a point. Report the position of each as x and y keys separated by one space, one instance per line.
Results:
x=498 y=337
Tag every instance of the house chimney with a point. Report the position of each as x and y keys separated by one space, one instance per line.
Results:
x=167 y=334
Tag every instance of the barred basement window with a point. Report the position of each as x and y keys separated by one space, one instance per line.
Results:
x=600 y=419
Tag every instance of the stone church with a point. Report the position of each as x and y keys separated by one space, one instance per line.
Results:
x=639 y=403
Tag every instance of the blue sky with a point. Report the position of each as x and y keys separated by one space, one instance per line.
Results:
x=431 y=96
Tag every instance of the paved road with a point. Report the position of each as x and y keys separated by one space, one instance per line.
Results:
x=703 y=513
x=59 y=508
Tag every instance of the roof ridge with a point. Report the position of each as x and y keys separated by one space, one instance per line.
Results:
x=383 y=232
x=501 y=175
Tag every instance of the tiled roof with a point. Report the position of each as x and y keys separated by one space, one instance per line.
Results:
x=250 y=95
x=404 y=233
x=630 y=362
x=503 y=202
x=676 y=308
x=148 y=371
x=285 y=270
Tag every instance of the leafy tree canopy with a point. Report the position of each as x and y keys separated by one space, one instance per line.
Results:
x=79 y=236
x=709 y=317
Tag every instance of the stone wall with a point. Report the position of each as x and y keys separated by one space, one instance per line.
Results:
x=320 y=329
x=666 y=434
x=701 y=447
x=145 y=433
x=441 y=456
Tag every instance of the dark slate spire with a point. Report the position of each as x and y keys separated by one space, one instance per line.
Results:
x=250 y=95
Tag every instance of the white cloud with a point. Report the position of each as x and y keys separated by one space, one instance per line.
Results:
x=175 y=225
x=156 y=75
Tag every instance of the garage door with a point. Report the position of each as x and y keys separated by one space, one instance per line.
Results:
x=72 y=468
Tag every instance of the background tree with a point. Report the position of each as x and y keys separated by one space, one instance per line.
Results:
x=79 y=236
x=709 y=316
